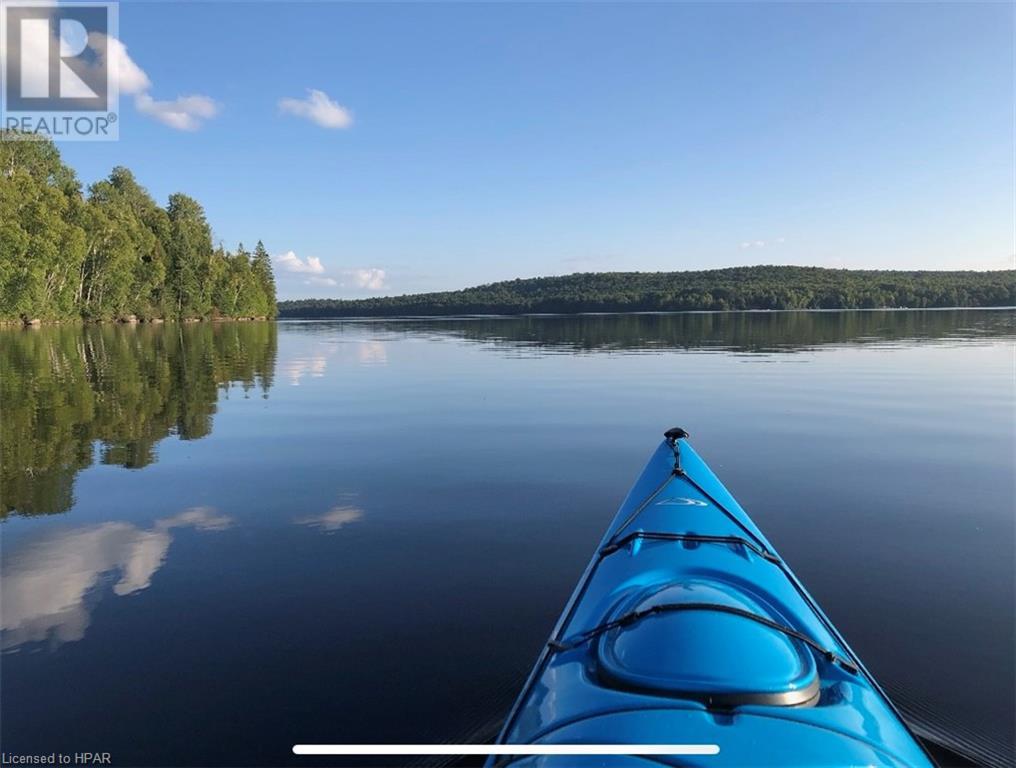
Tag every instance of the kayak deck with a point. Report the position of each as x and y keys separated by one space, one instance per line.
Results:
x=688 y=628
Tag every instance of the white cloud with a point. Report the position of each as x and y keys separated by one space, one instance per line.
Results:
x=761 y=243
x=328 y=281
x=290 y=262
x=110 y=52
x=371 y=278
x=318 y=108
x=184 y=113
x=365 y=278
x=130 y=77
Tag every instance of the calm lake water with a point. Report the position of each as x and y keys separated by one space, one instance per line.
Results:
x=219 y=540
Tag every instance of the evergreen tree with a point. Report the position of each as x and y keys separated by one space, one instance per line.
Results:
x=190 y=256
x=268 y=305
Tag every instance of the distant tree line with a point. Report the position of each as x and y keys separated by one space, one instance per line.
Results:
x=113 y=253
x=738 y=288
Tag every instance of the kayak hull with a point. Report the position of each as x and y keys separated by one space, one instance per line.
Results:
x=688 y=628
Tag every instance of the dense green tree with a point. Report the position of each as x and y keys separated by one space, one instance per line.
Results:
x=243 y=286
x=267 y=305
x=150 y=226
x=190 y=256
x=115 y=254
x=39 y=159
x=117 y=241
x=234 y=283
x=42 y=241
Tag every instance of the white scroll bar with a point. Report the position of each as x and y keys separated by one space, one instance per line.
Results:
x=506 y=749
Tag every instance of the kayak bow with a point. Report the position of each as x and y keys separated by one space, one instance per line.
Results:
x=688 y=628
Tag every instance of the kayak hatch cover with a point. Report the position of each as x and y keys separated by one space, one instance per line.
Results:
x=687 y=628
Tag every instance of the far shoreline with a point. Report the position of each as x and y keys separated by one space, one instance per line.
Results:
x=484 y=316
x=15 y=324
x=38 y=322
x=657 y=313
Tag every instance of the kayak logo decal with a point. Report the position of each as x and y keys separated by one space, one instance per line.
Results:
x=681 y=501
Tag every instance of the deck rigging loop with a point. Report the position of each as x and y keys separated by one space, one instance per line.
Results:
x=642 y=505
x=614 y=546
x=672 y=437
x=730 y=515
x=634 y=616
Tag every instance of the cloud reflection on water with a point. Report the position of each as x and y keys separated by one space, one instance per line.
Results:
x=46 y=585
x=333 y=519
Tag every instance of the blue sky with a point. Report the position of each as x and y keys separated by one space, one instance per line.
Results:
x=457 y=144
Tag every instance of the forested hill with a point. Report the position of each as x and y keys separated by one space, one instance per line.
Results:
x=111 y=252
x=765 y=287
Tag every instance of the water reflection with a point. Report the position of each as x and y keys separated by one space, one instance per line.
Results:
x=46 y=584
x=334 y=519
x=313 y=363
x=75 y=396
x=376 y=499
x=371 y=353
x=744 y=332
x=297 y=368
x=65 y=390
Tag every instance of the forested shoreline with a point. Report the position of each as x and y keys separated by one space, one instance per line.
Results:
x=111 y=253
x=735 y=288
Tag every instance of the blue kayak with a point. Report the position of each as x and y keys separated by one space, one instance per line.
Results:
x=687 y=628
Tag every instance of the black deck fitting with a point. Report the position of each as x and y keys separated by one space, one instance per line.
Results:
x=675 y=433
